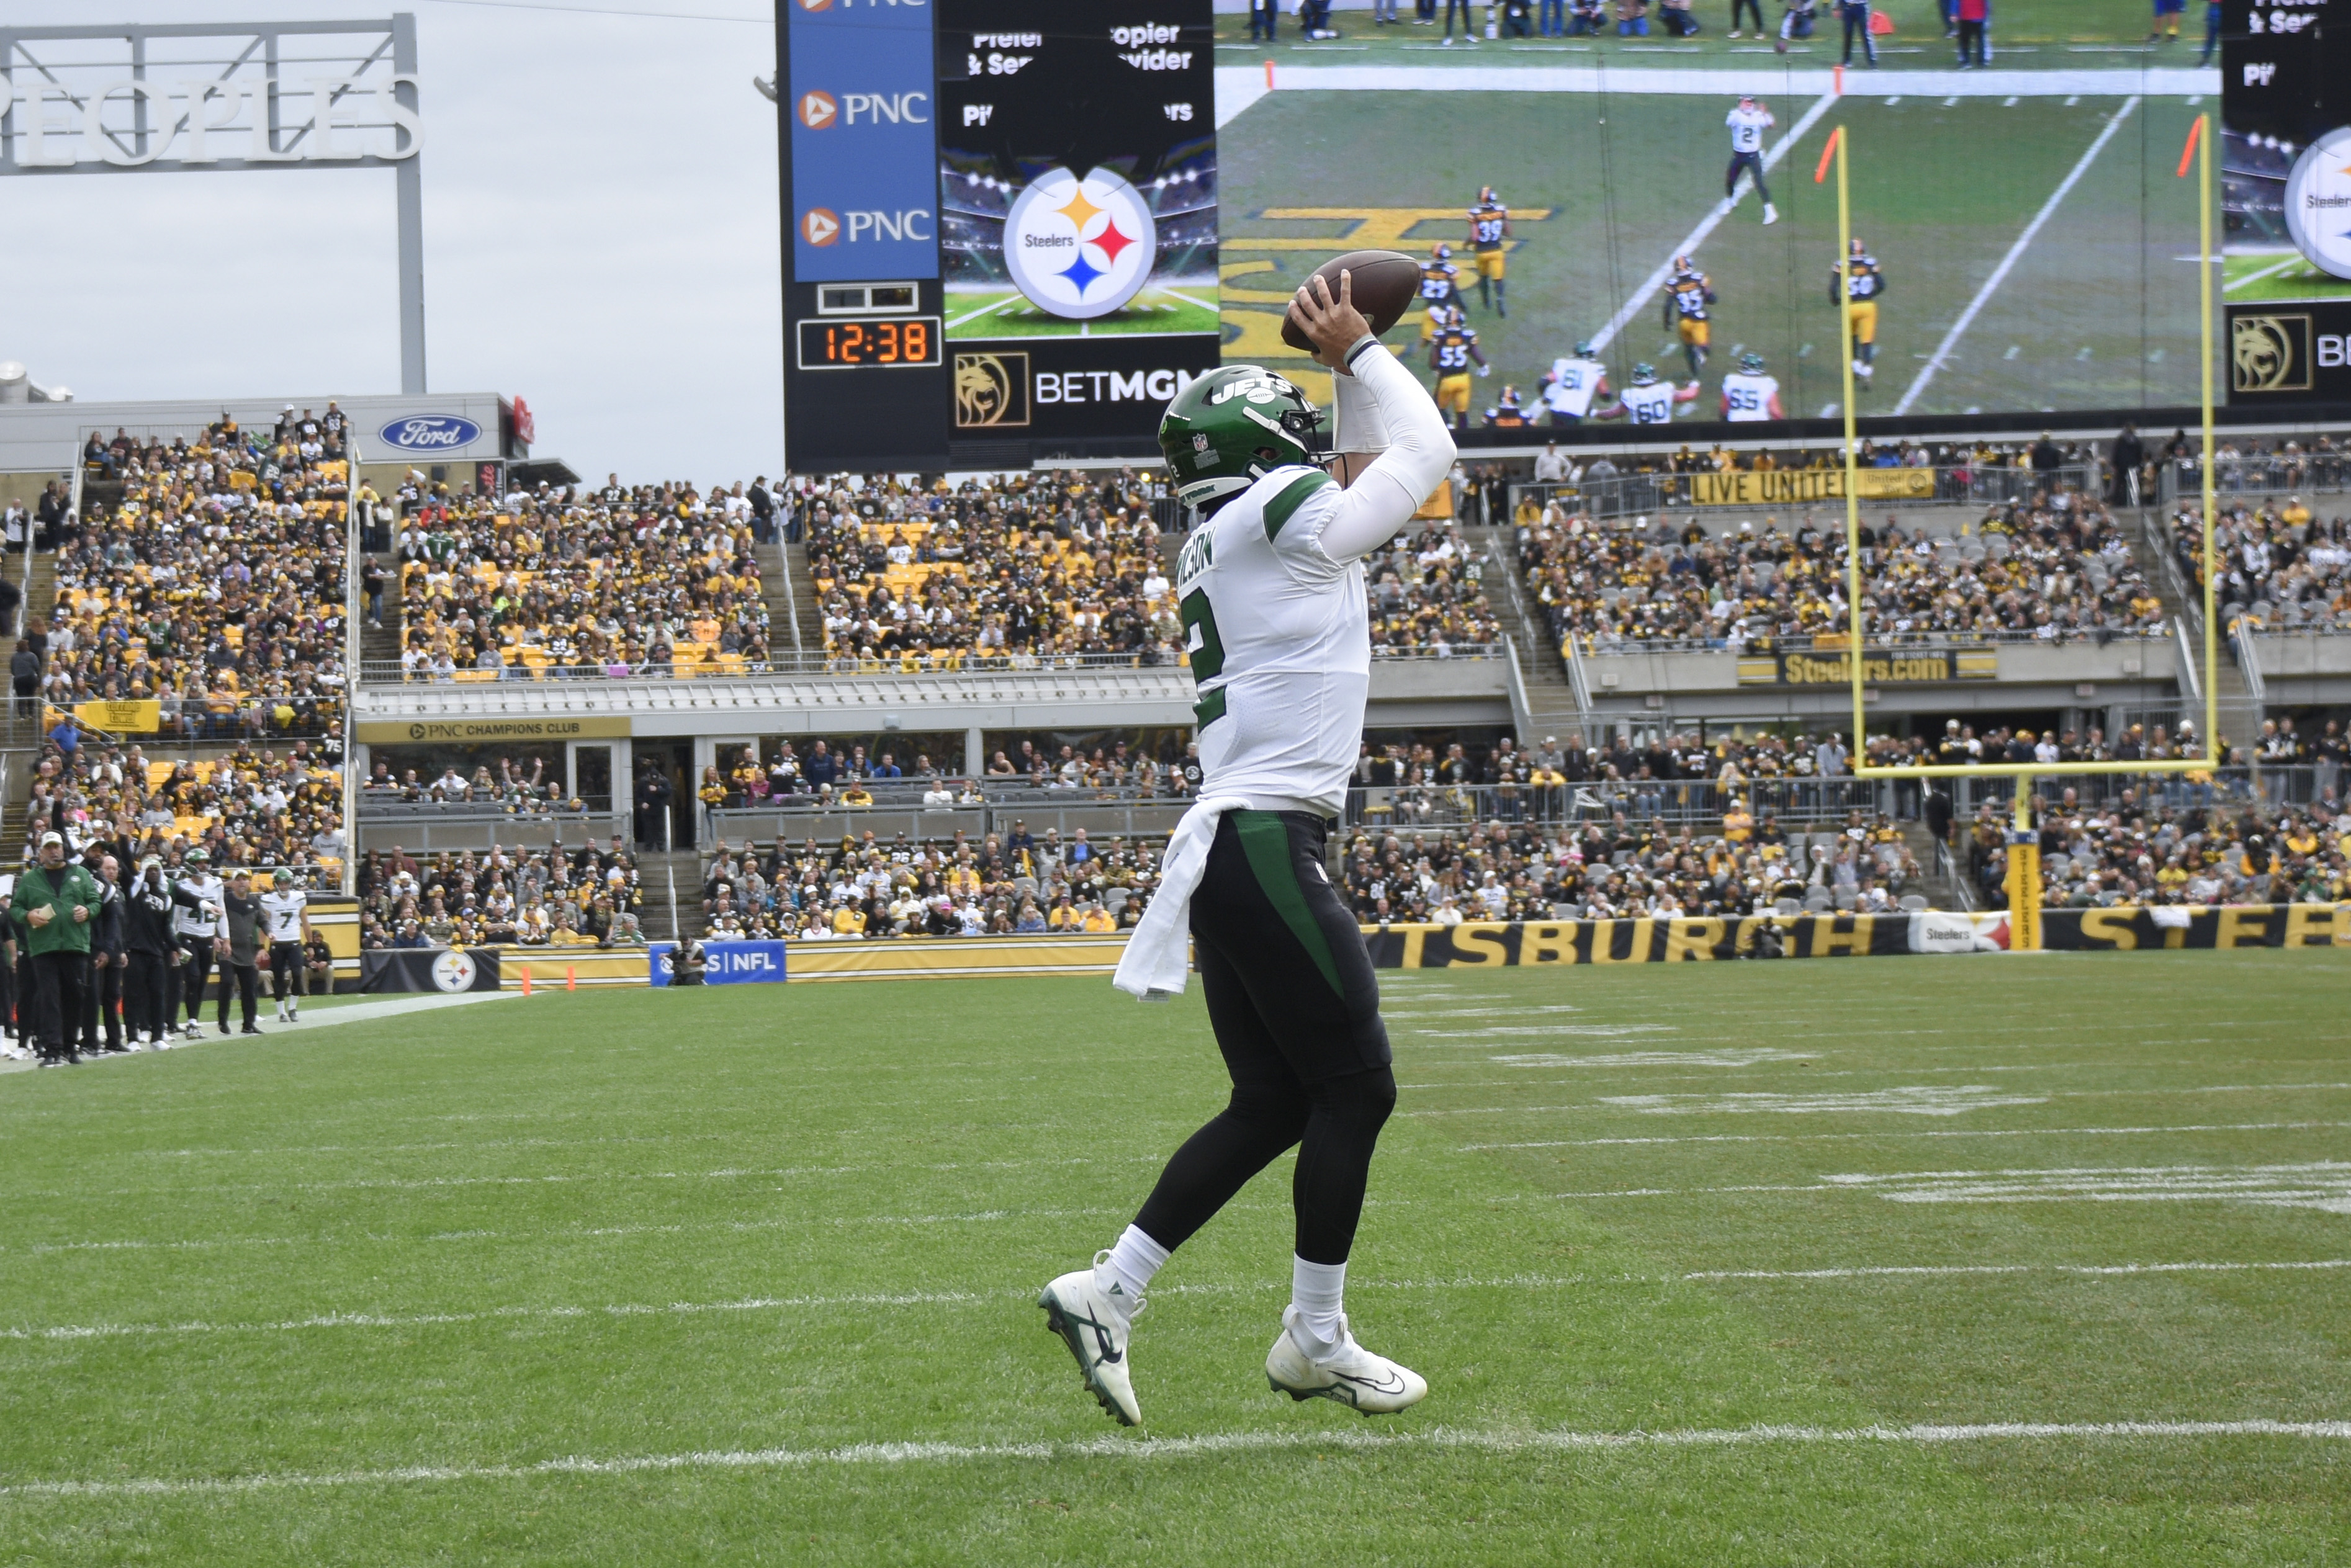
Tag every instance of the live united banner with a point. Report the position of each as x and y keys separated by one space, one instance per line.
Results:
x=1794 y=486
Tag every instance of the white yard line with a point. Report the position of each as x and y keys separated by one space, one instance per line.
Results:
x=2015 y=252
x=2055 y=1093
x=2253 y=277
x=1706 y=226
x=1958 y=1271
x=1939 y=1133
x=1208 y=1446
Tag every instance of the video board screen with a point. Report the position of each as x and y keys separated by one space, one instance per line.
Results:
x=1122 y=194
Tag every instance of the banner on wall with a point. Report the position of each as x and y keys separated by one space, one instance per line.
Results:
x=426 y=969
x=1648 y=940
x=725 y=962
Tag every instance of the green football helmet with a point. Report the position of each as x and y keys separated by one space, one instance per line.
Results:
x=1230 y=428
x=1751 y=363
x=1643 y=373
x=1584 y=349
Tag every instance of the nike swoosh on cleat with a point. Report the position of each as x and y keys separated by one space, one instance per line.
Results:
x=1394 y=1384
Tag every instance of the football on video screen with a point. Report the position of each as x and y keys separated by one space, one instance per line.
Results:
x=2011 y=252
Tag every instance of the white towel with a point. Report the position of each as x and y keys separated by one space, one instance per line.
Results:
x=1158 y=955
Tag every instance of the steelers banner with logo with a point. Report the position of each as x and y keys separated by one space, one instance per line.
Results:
x=428 y=969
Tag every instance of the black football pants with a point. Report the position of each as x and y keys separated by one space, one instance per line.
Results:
x=60 y=981
x=142 y=993
x=245 y=979
x=1295 y=1006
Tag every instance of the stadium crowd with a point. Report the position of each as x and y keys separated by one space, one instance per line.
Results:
x=1056 y=565
x=205 y=575
x=654 y=580
x=517 y=788
x=2283 y=567
x=1622 y=866
x=865 y=887
x=2171 y=847
x=555 y=897
x=2056 y=574
x=256 y=808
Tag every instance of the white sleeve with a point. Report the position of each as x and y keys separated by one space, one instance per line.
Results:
x=1418 y=454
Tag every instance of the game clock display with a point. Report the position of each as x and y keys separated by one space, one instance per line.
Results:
x=835 y=343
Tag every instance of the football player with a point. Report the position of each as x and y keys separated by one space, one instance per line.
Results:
x=1649 y=401
x=1510 y=413
x=1856 y=283
x=1489 y=231
x=1687 y=293
x=1572 y=385
x=286 y=912
x=1450 y=355
x=1748 y=394
x=1749 y=120
x=1441 y=284
x=1270 y=586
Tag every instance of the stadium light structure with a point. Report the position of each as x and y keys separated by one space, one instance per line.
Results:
x=222 y=97
x=2023 y=856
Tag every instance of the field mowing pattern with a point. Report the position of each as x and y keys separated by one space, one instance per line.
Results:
x=626 y=1227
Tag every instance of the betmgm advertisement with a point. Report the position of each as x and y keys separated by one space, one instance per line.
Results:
x=2285 y=156
x=1076 y=169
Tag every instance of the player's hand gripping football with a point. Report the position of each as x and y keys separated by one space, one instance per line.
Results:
x=1334 y=325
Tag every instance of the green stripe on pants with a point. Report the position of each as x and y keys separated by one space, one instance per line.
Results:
x=1266 y=840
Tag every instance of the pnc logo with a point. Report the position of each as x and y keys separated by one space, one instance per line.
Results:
x=815 y=5
x=820 y=225
x=818 y=111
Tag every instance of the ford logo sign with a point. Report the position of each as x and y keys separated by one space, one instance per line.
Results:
x=430 y=433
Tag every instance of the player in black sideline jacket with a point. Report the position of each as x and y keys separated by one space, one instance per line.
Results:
x=101 y=1011
x=239 y=947
x=151 y=950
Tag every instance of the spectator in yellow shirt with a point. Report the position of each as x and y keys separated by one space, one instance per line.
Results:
x=1097 y=921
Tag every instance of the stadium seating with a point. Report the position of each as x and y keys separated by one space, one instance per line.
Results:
x=255 y=806
x=657 y=579
x=583 y=898
x=2171 y=845
x=208 y=574
x=2049 y=575
x=2284 y=566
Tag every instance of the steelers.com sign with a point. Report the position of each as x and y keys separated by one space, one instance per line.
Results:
x=1078 y=249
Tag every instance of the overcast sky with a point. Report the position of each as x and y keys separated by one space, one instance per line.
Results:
x=600 y=237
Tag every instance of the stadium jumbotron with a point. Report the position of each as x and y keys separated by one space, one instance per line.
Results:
x=1162 y=635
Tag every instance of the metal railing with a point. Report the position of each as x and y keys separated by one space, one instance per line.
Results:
x=387 y=672
x=1630 y=495
x=2257 y=474
x=1594 y=645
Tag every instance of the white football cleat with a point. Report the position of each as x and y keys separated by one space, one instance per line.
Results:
x=1771 y=213
x=1093 y=1322
x=1348 y=1376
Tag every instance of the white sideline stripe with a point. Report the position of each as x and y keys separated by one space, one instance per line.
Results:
x=2015 y=253
x=1207 y=1446
x=2094 y=1271
x=1939 y=1133
x=2053 y=1094
x=1238 y=86
x=2253 y=277
x=70 y=1332
x=1706 y=226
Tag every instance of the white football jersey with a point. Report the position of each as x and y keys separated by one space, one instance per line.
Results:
x=1651 y=404
x=186 y=922
x=1747 y=127
x=1279 y=636
x=1746 y=397
x=1573 y=384
x=282 y=909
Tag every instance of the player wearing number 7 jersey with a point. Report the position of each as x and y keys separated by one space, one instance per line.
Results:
x=1270 y=585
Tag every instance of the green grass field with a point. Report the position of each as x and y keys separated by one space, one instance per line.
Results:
x=2027 y=34
x=2279 y=274
x=1714 y=1263
x=1006 y=313
x=2098 y=311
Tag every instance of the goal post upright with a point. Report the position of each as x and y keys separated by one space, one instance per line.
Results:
x=2023 y=880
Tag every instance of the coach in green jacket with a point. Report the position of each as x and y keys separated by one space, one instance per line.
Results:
x=54 y=903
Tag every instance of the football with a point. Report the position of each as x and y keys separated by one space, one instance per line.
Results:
x=1383 y=285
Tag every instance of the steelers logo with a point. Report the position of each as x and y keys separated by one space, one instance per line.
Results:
x=454 y=971
x=1078 y=248
x=2318 y=203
